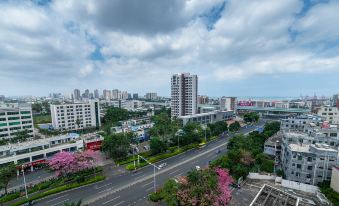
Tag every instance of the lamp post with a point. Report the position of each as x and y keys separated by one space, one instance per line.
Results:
x=154 y=166
x=23 y=174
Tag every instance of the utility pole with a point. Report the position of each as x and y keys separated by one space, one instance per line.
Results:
x=23 y=174
x=154 y=166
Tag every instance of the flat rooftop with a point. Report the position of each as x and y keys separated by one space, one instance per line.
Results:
x=273 y=109
x=251 y=188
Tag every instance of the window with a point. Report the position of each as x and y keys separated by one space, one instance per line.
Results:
x=299 y=166
x=309 y=167
x=14 y=123
x=309 y=159
x=300 y=157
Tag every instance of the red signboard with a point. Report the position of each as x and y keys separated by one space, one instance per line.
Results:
x=96 y=145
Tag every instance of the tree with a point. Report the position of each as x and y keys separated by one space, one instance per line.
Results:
x=169 y=192
x=224 y=181
x=20 y=135
x=251 y=117
x=114 y=114
x=117 y=145
x=235 y=126
x=37 y=107
x=64 y=163
x=6 y=173
x=218 y=128
x=157 y=146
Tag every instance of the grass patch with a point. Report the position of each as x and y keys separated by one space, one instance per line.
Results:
x=42 y=119
x=60 y=189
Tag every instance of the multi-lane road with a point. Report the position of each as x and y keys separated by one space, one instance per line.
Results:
x=132 y=188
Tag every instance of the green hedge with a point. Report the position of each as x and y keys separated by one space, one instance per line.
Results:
x=162 y=156
x=9 y=197
x=60 y=189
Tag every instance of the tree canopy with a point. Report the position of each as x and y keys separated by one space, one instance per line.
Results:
x=235 y=126
x=6 y=173
x=117 y=145
x=251 y=117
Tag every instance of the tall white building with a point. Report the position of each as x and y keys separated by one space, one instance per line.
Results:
x=14 y=119
x=76 y=116
x=107 y=94
x=228 y=103
x=76 y=94
x=184 y=93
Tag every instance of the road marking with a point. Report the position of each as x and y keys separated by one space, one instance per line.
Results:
x=147 y=184
x=174 y=171
x=139 y=176
x=60 y=202
x=135 y=174
x=57 y=198
x=151 y=188
x=103 y=186
x=110 y=200
x=119 y=203
x=98 y=197
x=104 y=190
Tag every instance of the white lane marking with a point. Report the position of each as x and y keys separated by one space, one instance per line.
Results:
x=57 y=198
x=103 y=186
x=98 y=197
x=147 y=184
x=139 y=176
x=60 y=202
x=135 y=174
x=110 y=200
x=119 y=203
x=151 y=188
x=104 y=190
x=174 y=171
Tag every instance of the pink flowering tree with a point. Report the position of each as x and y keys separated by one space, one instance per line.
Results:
x=64 y=163
x=224 y=182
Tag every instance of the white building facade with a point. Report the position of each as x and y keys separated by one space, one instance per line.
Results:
x=228 y=103
x=76 y=116
x=329 y=113
x=184 y=93
x=15 y=119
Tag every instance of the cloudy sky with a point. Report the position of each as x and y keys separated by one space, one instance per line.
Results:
x=236 y=47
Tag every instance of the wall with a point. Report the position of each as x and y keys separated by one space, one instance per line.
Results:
x=335 y=179
x=299 y=186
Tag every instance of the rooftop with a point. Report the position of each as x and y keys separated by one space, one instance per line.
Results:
x=273 y=109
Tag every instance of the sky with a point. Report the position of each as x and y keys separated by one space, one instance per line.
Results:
x=236 y=47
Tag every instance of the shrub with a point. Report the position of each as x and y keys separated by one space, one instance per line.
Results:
x=9 y=197
x=156 y=196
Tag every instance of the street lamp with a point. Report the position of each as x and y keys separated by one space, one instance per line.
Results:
x=154 y=166
x=23 y=174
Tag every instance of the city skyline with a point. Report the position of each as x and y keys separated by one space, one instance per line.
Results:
x=285 y=47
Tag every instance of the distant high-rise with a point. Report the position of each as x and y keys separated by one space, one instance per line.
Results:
x=135 y=96
x=76 y=94
x=184 y=93
x=151 y=96
x=115 y=94
x=86 y=94
x=96 y=94
x=107 y=94
x=2 y=98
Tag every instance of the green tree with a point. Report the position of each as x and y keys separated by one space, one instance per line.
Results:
x=20 y=135
x=169 y=192
x=117 y=145
x=37 y=107
x=235 y=126
x=6 y=174
x=192 y=133
x=251 y=117
x=114 y=114
x=217 y=128
x=157 y=146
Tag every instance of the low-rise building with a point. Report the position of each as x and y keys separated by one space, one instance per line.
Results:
x=335 y=178
x=14 y=119
x=76 y=116
x=329 y=113
x=207 y=118
x=32 y=153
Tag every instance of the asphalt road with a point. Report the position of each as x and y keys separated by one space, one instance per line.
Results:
x=132 y=188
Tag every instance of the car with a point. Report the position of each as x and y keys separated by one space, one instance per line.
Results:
x=197 y=167
x=218 y=151
x=162 y=165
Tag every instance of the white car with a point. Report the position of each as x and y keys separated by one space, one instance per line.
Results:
x=162 y=165
x=197 y=167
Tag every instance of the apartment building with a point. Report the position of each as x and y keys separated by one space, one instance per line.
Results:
x=14 y=119
x=151 y=96
x=184 y=92
x=76 y=116
x=207 y=118
x=329 y=113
